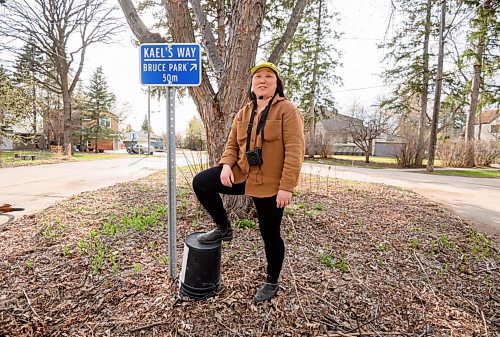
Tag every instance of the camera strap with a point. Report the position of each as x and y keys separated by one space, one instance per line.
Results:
x=260 y=125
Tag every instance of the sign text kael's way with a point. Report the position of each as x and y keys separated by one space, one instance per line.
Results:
x=171 y=64
x=167 y=52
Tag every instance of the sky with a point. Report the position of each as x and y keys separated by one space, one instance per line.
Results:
x=362 y=22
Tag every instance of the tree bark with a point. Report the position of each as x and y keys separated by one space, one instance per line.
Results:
x=289 y=31
x=437 y=95
x=425 y=88
x=312 y=128
x=137 y=26
x=311 y=151
x=476 y=81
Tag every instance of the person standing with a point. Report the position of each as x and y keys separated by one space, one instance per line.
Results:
x=262 y=159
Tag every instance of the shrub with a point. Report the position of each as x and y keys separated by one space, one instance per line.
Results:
x=454 y=152
x=408 y=131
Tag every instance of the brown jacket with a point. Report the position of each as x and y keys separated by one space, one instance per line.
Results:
x=282 y=149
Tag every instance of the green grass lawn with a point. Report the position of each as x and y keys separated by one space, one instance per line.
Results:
x=97 y=156
x=379 y=160
x=478 y=173
x=359 y=161
x=10 y=155
x=8 y=158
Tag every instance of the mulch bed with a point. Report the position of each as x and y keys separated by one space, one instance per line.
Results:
x=361 y=260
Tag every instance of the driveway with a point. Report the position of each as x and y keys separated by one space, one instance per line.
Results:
x=37 y=187
x=473 y=199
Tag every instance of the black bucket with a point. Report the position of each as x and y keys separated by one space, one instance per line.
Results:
x=200 y=275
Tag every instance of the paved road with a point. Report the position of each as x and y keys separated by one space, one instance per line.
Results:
x=474 y=199
x=37 y=187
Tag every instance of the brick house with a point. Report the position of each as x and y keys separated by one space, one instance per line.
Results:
x=107 y=120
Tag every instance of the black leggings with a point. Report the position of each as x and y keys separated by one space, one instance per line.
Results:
x=207 y=186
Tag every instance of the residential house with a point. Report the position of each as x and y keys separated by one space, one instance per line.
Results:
x=387 y=145
x=23 y=136
x=333 y=137
x=141 y=138
x=107 y=120
x=487 y=126
x=50 y=132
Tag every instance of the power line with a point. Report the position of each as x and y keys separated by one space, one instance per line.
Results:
x=360 y=38
x=355 y=89
x=465 y=17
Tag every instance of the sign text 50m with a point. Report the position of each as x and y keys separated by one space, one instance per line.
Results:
x=177 y=64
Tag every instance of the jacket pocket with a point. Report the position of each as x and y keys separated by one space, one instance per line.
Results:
x=241 y=132
x=272 y=130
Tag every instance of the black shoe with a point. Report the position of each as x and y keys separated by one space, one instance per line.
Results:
x=266 y=292
x=216 y=235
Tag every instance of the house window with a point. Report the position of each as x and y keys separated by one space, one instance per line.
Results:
x=105 y=122
x=495 y=128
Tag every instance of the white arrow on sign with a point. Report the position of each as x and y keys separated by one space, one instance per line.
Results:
x=194 y=66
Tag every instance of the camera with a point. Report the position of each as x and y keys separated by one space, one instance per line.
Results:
x=254 y=156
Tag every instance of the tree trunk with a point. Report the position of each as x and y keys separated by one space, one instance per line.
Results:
x=217 y=109
x=437 y=96
x=476 y=81
x=312 y=130
x=368 y=153
x=67 y=127
x=311 y=151
x=425 y=88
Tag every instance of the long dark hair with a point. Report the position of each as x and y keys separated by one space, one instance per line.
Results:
x=279 y=90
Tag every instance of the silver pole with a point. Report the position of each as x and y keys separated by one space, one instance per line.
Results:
x=149 y=119
x=172 y=254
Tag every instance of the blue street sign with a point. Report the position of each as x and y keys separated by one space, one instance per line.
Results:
x=169 y=64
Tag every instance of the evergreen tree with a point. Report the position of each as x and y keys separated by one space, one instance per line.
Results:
x=145 y=124
x=483 y=52
x=308 y=65
x=195 y=135
x=13 y=106
x=98 y=101
x=62 y=31
x=26 y=77
x=410 y=64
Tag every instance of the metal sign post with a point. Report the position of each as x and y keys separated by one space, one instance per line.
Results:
x=171 y=181
x=170 y=65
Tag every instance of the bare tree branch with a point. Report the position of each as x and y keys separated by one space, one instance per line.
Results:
x=207 y=38
x=221 y=29
x=291 y=27
x=138 y=27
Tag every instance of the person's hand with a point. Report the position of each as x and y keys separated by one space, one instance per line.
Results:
x=283 y=199
x=226 y=176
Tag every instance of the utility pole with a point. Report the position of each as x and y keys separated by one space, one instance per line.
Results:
x=149 y=119
x=437 y=95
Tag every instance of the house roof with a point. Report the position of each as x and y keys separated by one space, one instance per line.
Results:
x=488 y=116
x=340 y=122
x=142 y=136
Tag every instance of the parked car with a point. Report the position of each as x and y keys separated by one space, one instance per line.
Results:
x=140 y=149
